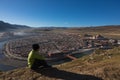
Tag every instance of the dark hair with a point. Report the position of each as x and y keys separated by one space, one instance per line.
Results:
x=35 y=46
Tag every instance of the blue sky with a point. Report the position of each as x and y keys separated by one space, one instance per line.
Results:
x=60 y=13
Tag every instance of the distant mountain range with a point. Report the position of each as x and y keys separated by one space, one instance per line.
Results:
x=7 y=26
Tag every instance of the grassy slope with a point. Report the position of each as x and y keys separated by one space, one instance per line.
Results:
x=104 y=64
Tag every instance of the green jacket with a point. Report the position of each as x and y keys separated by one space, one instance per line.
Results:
x=32 y=56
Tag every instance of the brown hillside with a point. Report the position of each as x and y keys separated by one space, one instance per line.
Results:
x=102 y=64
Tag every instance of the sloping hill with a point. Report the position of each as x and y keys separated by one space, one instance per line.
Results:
x=102 y=64
x=6 y=26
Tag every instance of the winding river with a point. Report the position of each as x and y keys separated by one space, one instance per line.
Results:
x=3 y=67
x=8 y=63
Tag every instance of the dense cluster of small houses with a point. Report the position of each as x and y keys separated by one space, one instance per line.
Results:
x=54 y=43
x=49 y=43
x=98 y=41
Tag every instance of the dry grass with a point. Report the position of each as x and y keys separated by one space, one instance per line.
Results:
x=106 y=64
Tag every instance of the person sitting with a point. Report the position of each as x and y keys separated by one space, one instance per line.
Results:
x=35 y=60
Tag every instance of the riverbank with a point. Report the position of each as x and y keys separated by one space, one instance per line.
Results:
x=8 y=63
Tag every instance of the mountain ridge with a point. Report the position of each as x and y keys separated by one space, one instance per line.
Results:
x=7 y=26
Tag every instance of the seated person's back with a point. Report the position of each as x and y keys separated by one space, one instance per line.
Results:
x=35 y=60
